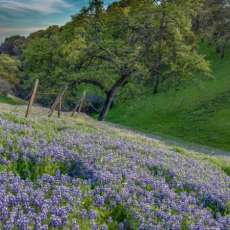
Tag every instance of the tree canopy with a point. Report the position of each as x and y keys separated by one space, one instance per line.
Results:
x=213 y=23
x=119 y=51
x=9 y=69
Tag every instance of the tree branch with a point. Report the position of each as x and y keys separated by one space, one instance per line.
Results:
x=90 y=82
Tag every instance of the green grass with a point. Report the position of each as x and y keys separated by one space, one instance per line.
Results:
x=11 y=100
x=198 y=113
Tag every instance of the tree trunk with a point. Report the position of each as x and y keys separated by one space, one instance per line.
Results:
x=217 y=49
x=157 y=66
x=196 y=24
x=222 y=51
x=106 y=106
x=156 y=85
x=110 y=95
x=155 y=75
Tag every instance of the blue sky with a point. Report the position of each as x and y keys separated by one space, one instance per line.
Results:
x=25 y=16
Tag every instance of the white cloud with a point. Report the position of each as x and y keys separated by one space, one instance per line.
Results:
x=41 y=6
x=7 y=32
x=26 y=29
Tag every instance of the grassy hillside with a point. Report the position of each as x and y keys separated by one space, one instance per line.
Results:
x=11 y=100
x=199 y=113
x=76 y=173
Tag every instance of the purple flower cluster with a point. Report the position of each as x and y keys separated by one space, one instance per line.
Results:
x=110 y=183
x=13 y=127
x=41 y=205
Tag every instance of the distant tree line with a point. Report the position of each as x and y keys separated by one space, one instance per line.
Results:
x=120 y=51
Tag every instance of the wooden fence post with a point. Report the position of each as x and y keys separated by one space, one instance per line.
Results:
x=54 y=105
x=57 y=102
x=60 y=106
x=75 y=110
x=81 y=102
x=31 y=101
x=78 y=106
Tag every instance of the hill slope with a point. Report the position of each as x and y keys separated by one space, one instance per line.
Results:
x=75 y=173
x=199 y=113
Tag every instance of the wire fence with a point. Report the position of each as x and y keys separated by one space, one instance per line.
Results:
x=57 y=104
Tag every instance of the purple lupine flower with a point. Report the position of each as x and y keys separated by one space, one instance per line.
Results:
x=83 y=213
x=99 y=200
x=104 y=227
x=55 y=222
x=121 y=226
x=92 y=215
x=75 y=226
x=158 y=188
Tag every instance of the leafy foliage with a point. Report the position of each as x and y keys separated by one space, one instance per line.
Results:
x=124 y=48
x=9 y=69
x=213 y=23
